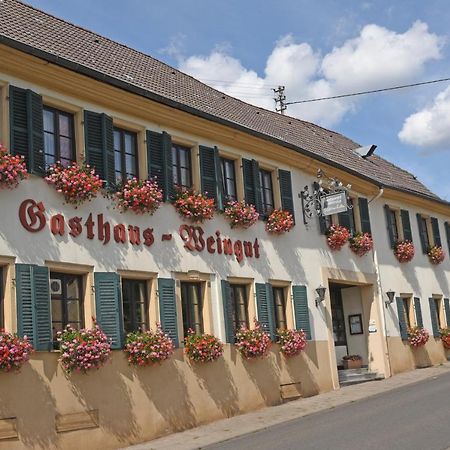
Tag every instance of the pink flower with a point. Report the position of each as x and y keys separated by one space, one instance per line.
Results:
x=279 y=221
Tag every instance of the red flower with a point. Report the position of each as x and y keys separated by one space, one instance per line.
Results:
x=337 y=237
x=436 y=254
x=404 y=251
x=12 y=169
x=193 y=205
x=361 y=243
x=279 y=221
x=139 y=196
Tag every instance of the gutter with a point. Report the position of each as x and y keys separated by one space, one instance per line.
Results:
x=76 y=67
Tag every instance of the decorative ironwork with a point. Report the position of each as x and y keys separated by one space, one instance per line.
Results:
x=324 y=186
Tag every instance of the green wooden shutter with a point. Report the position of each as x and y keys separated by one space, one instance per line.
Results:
x=434 y=318
x=287 y=199
x=423 y=232
x=390 y=226
x=347 y=220
x=211 y=174
x=33 y=305
x=436 y=232
x=228 y=312
x=168 y=308
x=99 y=137
x=406 y=224
x=252 y=184
x=159 y=161
x=27 y=135
x=447 y=234
x=418 y=309
x=323 y=224
x=402 y=319
x=364 y=215
x=264 y=301
x=108 y=306
x=447 y=311
x=301 y=310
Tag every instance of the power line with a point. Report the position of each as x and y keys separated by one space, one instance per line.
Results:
x=369 y=92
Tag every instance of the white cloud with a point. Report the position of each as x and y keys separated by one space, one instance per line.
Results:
x=430 y=127
x=377 y=57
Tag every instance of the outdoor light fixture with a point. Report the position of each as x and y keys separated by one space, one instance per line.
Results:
x=320 y=294
x=391 y=295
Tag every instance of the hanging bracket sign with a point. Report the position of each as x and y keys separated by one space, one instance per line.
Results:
x=333 y=203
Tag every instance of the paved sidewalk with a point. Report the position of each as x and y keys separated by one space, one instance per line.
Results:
x=225 y=429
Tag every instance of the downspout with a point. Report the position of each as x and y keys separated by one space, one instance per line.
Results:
x=380 y=295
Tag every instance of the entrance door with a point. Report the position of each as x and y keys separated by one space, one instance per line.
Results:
x=338 y=320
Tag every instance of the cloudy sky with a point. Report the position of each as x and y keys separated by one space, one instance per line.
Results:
x=313 y=48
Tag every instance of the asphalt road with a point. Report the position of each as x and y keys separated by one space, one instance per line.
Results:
x=414 y=417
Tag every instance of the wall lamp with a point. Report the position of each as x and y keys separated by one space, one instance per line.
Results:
x=320 y=294
x=390 y=295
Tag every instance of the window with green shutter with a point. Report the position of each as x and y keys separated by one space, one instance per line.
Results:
x=168 y=308
x=422 y=224
x=264 y=303
x=364 y=216
x=418 y=311
x=252 y=186
x=347 y=218
x=159 y=161
x=301 y=310
x=436 y=232
x=392 y=225
x=108 y=306
x=235 y=308
x=99 y=138
x=211 y=174
x=26 y=128
x=447 y=311
x=402 y=315
x=406 y=225
x=435 y=307
x=447 y=235
x=33 y=305
x=287 y=199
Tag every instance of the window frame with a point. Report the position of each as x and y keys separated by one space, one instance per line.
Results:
x=188 y=315
x=55 y=274
x=176 y=165
x=238 y=323
x=283 y=307
x=223 y=160
x=439 y=305
x=133 y=304
x=123 y=153
x=410 y=313
x=266 y=174
x=57 y=112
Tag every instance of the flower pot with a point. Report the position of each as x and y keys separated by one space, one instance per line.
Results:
x=352 y=363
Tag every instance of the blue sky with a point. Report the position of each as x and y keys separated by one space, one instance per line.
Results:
x=314 y=48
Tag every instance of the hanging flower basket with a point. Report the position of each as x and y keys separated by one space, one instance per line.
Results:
x=404 y=251
x=202 y=347
x=14 y=351
x=193 y=205
x=139 y=196
x=337 y=237
x=240 y=214
x=144 y=348
x=292 y=341
x=436 y=254
x=361 y=243
x=445 y=337
x=83 y=350
x=253 y=343
x=418 y=336
x=12 y=169
x=77 y=182
x=279 y=221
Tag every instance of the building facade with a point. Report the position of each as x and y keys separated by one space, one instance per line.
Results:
x=70 y=95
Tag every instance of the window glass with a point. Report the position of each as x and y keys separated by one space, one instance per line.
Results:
x=239 y=300
x=265 y=178
x=66 y=301
x=425 y=232
x=406 y=305
x=192 y=306
x=135 y=305
x=437 y=303
x=394 y=225
x=279 y=300
x=125 y=155
x=59 y=142
x=228 y=178
x=181 y=166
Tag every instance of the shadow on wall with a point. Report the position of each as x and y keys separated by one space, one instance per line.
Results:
x=166 y=387
x=32 y=404
x=111 y=396
x=421 y=357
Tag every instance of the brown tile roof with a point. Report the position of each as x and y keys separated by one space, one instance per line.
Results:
x=48 y=37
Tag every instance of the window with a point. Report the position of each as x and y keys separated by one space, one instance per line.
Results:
x=125 y=154
x=59 y=142
x=424 y=232
x=268 y=204
x=228 y=178
x=347 y=218
x=192 y=307
x=437 y=304
x=239 y=300
x=135 y=305
x=181 y=166
x=279 y=300
x=394 y=221
x=66 y=301
x=407 y=309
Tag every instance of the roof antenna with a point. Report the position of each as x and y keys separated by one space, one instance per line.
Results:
x=280 y=99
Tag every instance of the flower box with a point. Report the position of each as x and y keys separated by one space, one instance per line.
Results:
x=436 y=255
x=139 y=196
x=202 y=347
x=352 y=362
x=253 y=343
x=240 y=214
x=404 y=251
x=279 y=222
x=337 y=237
x=193 y=205
x=361 y=243
x=292 y=342
x=12 y=169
